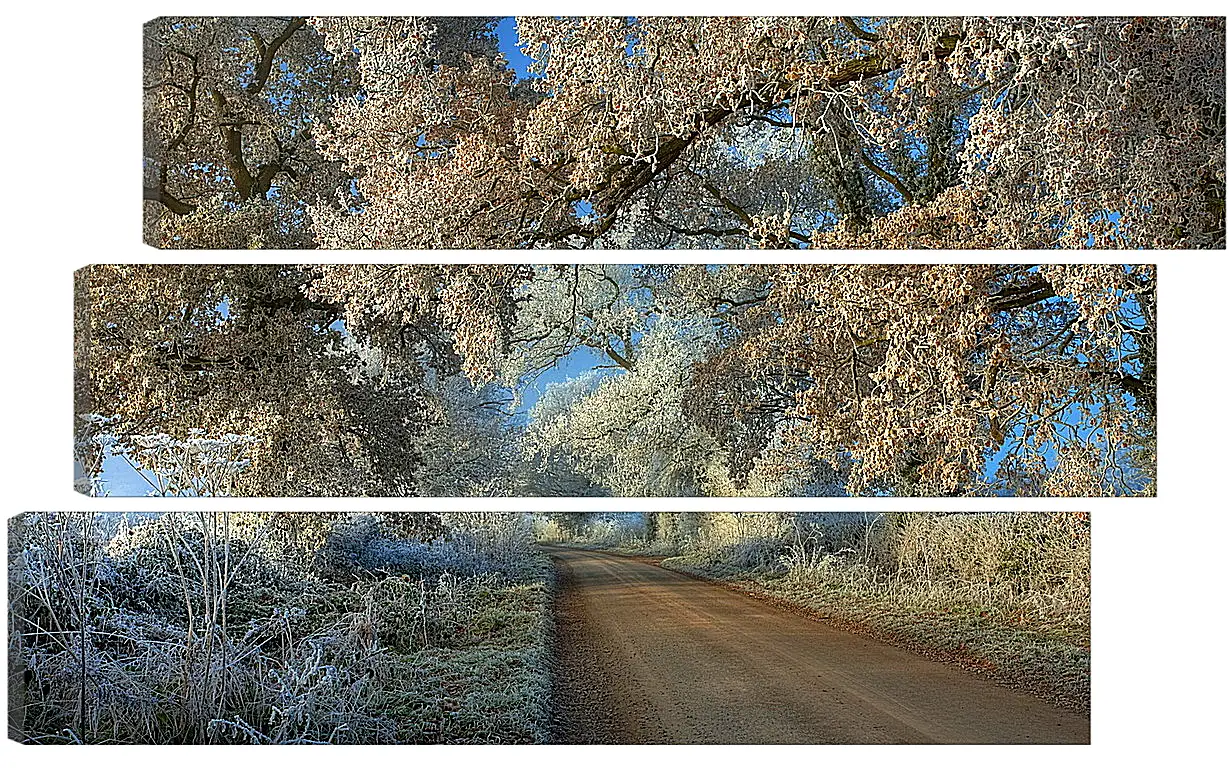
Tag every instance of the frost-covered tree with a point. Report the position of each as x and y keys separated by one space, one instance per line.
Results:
x=894 y=132
x=923 y=379
x=344 y=395
x=762 y=379
x=603 y=308
x=231 y=108
x=629 y=434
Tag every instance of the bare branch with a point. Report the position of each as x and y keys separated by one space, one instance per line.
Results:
x=268 y=51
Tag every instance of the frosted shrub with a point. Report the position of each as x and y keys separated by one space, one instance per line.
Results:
x=500 y=541
x=1031 y=563
x=1038 y=560
x=194 y=628
x=474 y=543
x=742 y=540
x=197 y=466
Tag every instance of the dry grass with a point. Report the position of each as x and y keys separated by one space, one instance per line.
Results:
x=1005 y=594
x=202 y=630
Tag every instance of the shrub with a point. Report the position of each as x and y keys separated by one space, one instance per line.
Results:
x=213 y=628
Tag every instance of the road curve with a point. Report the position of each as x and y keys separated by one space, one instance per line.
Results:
x=649 y=655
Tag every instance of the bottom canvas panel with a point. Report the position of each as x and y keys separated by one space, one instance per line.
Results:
x=415 y=627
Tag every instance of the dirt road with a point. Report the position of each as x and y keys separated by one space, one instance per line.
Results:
x=649 y=655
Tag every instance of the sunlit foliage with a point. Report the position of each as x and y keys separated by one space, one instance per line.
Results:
x=774 y=132
x=698 y=380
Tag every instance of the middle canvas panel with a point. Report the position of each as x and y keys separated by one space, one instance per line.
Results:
x=616 y=380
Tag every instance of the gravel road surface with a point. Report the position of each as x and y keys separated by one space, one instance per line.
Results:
x=649 y=655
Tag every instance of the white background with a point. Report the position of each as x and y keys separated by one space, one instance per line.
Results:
x=71 y=168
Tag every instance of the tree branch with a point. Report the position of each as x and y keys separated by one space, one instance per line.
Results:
x=624 y=179
x=232 y=141
x=623 y=362
x=1015 y=297
x=159 y=194
x=896 y=183
x=857 y=31
x=190 y=122
x=268 y=51
x=730 y=205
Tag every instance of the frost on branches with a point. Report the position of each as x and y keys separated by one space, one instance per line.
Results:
x=609 y=379
x=649 y=132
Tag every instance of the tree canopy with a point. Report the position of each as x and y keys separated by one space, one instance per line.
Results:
x=651 y=132
x=654 y=379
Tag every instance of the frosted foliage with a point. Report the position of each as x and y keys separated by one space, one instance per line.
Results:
x=567 y=307
x=773 y=132
x=230 y=105
x=913 y=377
x=277 y=628
x=384 y=302
x=425 y=138
x=247 y=350
x=761 y=379
x=710 y=132
x=632 y=434
x=467 y=448
x=629 y=433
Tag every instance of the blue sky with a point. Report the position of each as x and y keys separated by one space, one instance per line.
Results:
x=518 y=62
x=120 y=479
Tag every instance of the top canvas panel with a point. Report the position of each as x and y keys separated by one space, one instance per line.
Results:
x=692 y=132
